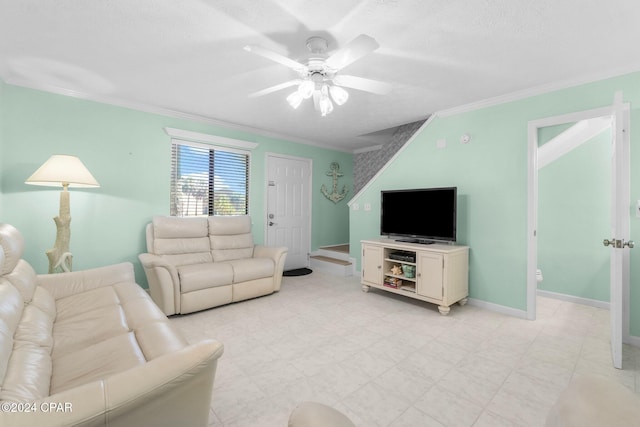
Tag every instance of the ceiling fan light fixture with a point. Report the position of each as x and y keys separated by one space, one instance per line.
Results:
x=326 y=106
x=339 y=95
x=306 y=88
x=318 y=74
x=295 y=99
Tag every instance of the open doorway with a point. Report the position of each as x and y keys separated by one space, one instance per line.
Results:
x=618 y=117
x=574 y=211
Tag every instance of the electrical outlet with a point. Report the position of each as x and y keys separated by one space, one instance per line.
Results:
x=355 y=207
x=367 y=207
x=441 y=143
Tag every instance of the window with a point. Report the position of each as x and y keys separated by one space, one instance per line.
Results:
x=208 y=180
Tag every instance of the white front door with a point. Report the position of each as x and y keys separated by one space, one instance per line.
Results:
x=288 y=216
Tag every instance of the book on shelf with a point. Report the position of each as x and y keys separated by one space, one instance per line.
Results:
x=392 y=282
x=409 y=287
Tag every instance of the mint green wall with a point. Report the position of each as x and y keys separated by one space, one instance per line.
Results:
x=2 y=109
x=547 y=133
x=128 y=152
x=491 y=175
x=574 y=215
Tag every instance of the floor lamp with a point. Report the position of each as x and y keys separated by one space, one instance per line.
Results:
x=65 y=171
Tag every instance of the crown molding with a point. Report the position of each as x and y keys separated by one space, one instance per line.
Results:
x=146 y=108
x=534 y=91
x=187 y=135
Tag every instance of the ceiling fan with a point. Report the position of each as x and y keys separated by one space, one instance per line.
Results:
x=318 y=75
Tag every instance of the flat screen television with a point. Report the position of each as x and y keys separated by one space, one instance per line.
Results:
x=424 y=215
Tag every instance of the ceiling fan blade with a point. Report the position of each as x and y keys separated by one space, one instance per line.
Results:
x=360 y=83
x=352 y=51
x=275 y=88
x=276 y=57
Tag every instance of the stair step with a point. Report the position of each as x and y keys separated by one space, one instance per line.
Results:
x=331 y=260
x=337 y=248
x=336 y=252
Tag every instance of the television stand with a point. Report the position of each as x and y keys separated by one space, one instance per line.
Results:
x=437 y=273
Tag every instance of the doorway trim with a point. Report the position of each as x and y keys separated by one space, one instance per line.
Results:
x=532 y=210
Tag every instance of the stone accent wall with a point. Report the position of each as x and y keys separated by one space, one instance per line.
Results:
x=367 y=164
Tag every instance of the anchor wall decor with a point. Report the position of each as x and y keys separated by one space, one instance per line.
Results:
x=335 y=173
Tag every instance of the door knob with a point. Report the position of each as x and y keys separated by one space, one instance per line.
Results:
x=618 y=243
x=271 y=223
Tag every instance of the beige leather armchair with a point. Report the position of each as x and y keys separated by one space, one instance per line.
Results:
x=197 y=263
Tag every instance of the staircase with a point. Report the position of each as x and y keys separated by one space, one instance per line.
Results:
x=333 y=260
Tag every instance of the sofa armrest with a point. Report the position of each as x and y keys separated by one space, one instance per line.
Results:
x=164 y=284
x=61 y=285
x=174 y=389
x=279 y=255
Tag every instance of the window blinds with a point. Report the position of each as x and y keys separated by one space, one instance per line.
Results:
x=208 y=180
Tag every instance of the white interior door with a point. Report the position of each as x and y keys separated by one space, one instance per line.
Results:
x=619 y=225
x=288 y=216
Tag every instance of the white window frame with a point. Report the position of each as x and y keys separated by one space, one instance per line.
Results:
x=213 y=142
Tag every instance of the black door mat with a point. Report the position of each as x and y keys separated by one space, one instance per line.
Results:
x=297 y=272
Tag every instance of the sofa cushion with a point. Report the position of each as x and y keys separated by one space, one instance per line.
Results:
x=192 y=245
x=138 y=308
x=227 y=248
x=11 y=307
x=88 y=301
x=25 y=345
x=26 y=323
x=171 y=227
x=251 y=269
x=229 y=225
x=189 y=259
x=28 y=374
x=98 y=314
x=35 y=327
x=201 y=276
x=230 y=237
x=88 y=328
x=96 y=361
x=23 y=277
x=11 y=246
x=181 y=240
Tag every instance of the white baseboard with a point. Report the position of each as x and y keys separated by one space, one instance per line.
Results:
x=632 y=340
x=509 y=311
x=574 y=299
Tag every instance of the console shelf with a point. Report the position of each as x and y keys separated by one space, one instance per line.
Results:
x=435 y=273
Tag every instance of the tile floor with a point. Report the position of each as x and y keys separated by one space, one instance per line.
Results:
x=386 y=360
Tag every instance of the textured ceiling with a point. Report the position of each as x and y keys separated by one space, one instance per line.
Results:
x=187 y=56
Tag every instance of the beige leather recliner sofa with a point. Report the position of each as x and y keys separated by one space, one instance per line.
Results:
x=91 y=348
x=197 y=263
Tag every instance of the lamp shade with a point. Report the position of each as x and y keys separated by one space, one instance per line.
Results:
x=61 y=170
